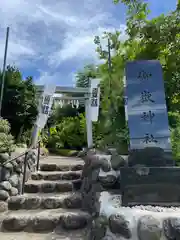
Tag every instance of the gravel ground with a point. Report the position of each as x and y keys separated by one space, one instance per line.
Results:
x=114 y=199
x=156 y=208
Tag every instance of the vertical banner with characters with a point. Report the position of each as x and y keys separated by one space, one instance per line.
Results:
x=45 y=105
x=95 y=99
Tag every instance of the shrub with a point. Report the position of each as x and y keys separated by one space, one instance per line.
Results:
x=175 y=141
x=26 y=137
x=70 y=133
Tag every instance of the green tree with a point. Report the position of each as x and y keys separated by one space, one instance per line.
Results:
x=112 y=125
x=83 y=77
x=70 y=133
x=19 y=104
x=59 y=113
x=157 y=38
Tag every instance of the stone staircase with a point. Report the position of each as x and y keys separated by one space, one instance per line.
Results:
x=50 y=206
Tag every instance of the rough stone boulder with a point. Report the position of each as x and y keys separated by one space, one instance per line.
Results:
x=4 y=157
x=14 y=180
x=5 y=185
x=73 y=222
x=94 y=162
x=171 y=227
x=3 y=206
x=99 y=228
x=120 y=226
x=149 y=228
x=13 y=191
x=117 y=161
x=4 y=195
x=110 y=179
x=91 y=187
x=73 y=201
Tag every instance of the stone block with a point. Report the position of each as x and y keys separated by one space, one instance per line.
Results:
x=154 y=185
x=150 y=157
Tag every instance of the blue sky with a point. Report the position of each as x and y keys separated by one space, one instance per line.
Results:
x=52 y=40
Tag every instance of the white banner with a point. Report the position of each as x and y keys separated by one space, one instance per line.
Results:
x=95 y=99
x=45 y=105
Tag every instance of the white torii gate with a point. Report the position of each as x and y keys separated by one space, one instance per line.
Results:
x=91 y=98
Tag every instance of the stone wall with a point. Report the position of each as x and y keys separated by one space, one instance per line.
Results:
x=104 y=172
x=11 y=176
x=147 y=227
x=100 y=172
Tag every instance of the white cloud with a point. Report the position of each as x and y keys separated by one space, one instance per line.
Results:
x=44 y=35
x=54 y=78
x=45 y=77
x=81 y=46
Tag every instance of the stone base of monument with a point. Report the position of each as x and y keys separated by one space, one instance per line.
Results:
x=135 y=223
x=150 y=186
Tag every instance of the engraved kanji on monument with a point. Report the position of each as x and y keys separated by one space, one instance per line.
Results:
x=146 y=105
x=150 y=177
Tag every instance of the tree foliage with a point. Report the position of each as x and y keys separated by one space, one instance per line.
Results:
x=83 y=77
x=59 y=113
x=157 y=38
x=70 y=133
x=19 y=104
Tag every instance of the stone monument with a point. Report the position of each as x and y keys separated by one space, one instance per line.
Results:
x=151 y=176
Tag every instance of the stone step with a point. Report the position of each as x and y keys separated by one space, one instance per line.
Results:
x=43 y=220
x=53 y=176
x=57 y=163
x=45 y=201
x=41 y=186
x=59 y=167
x=62 y=235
